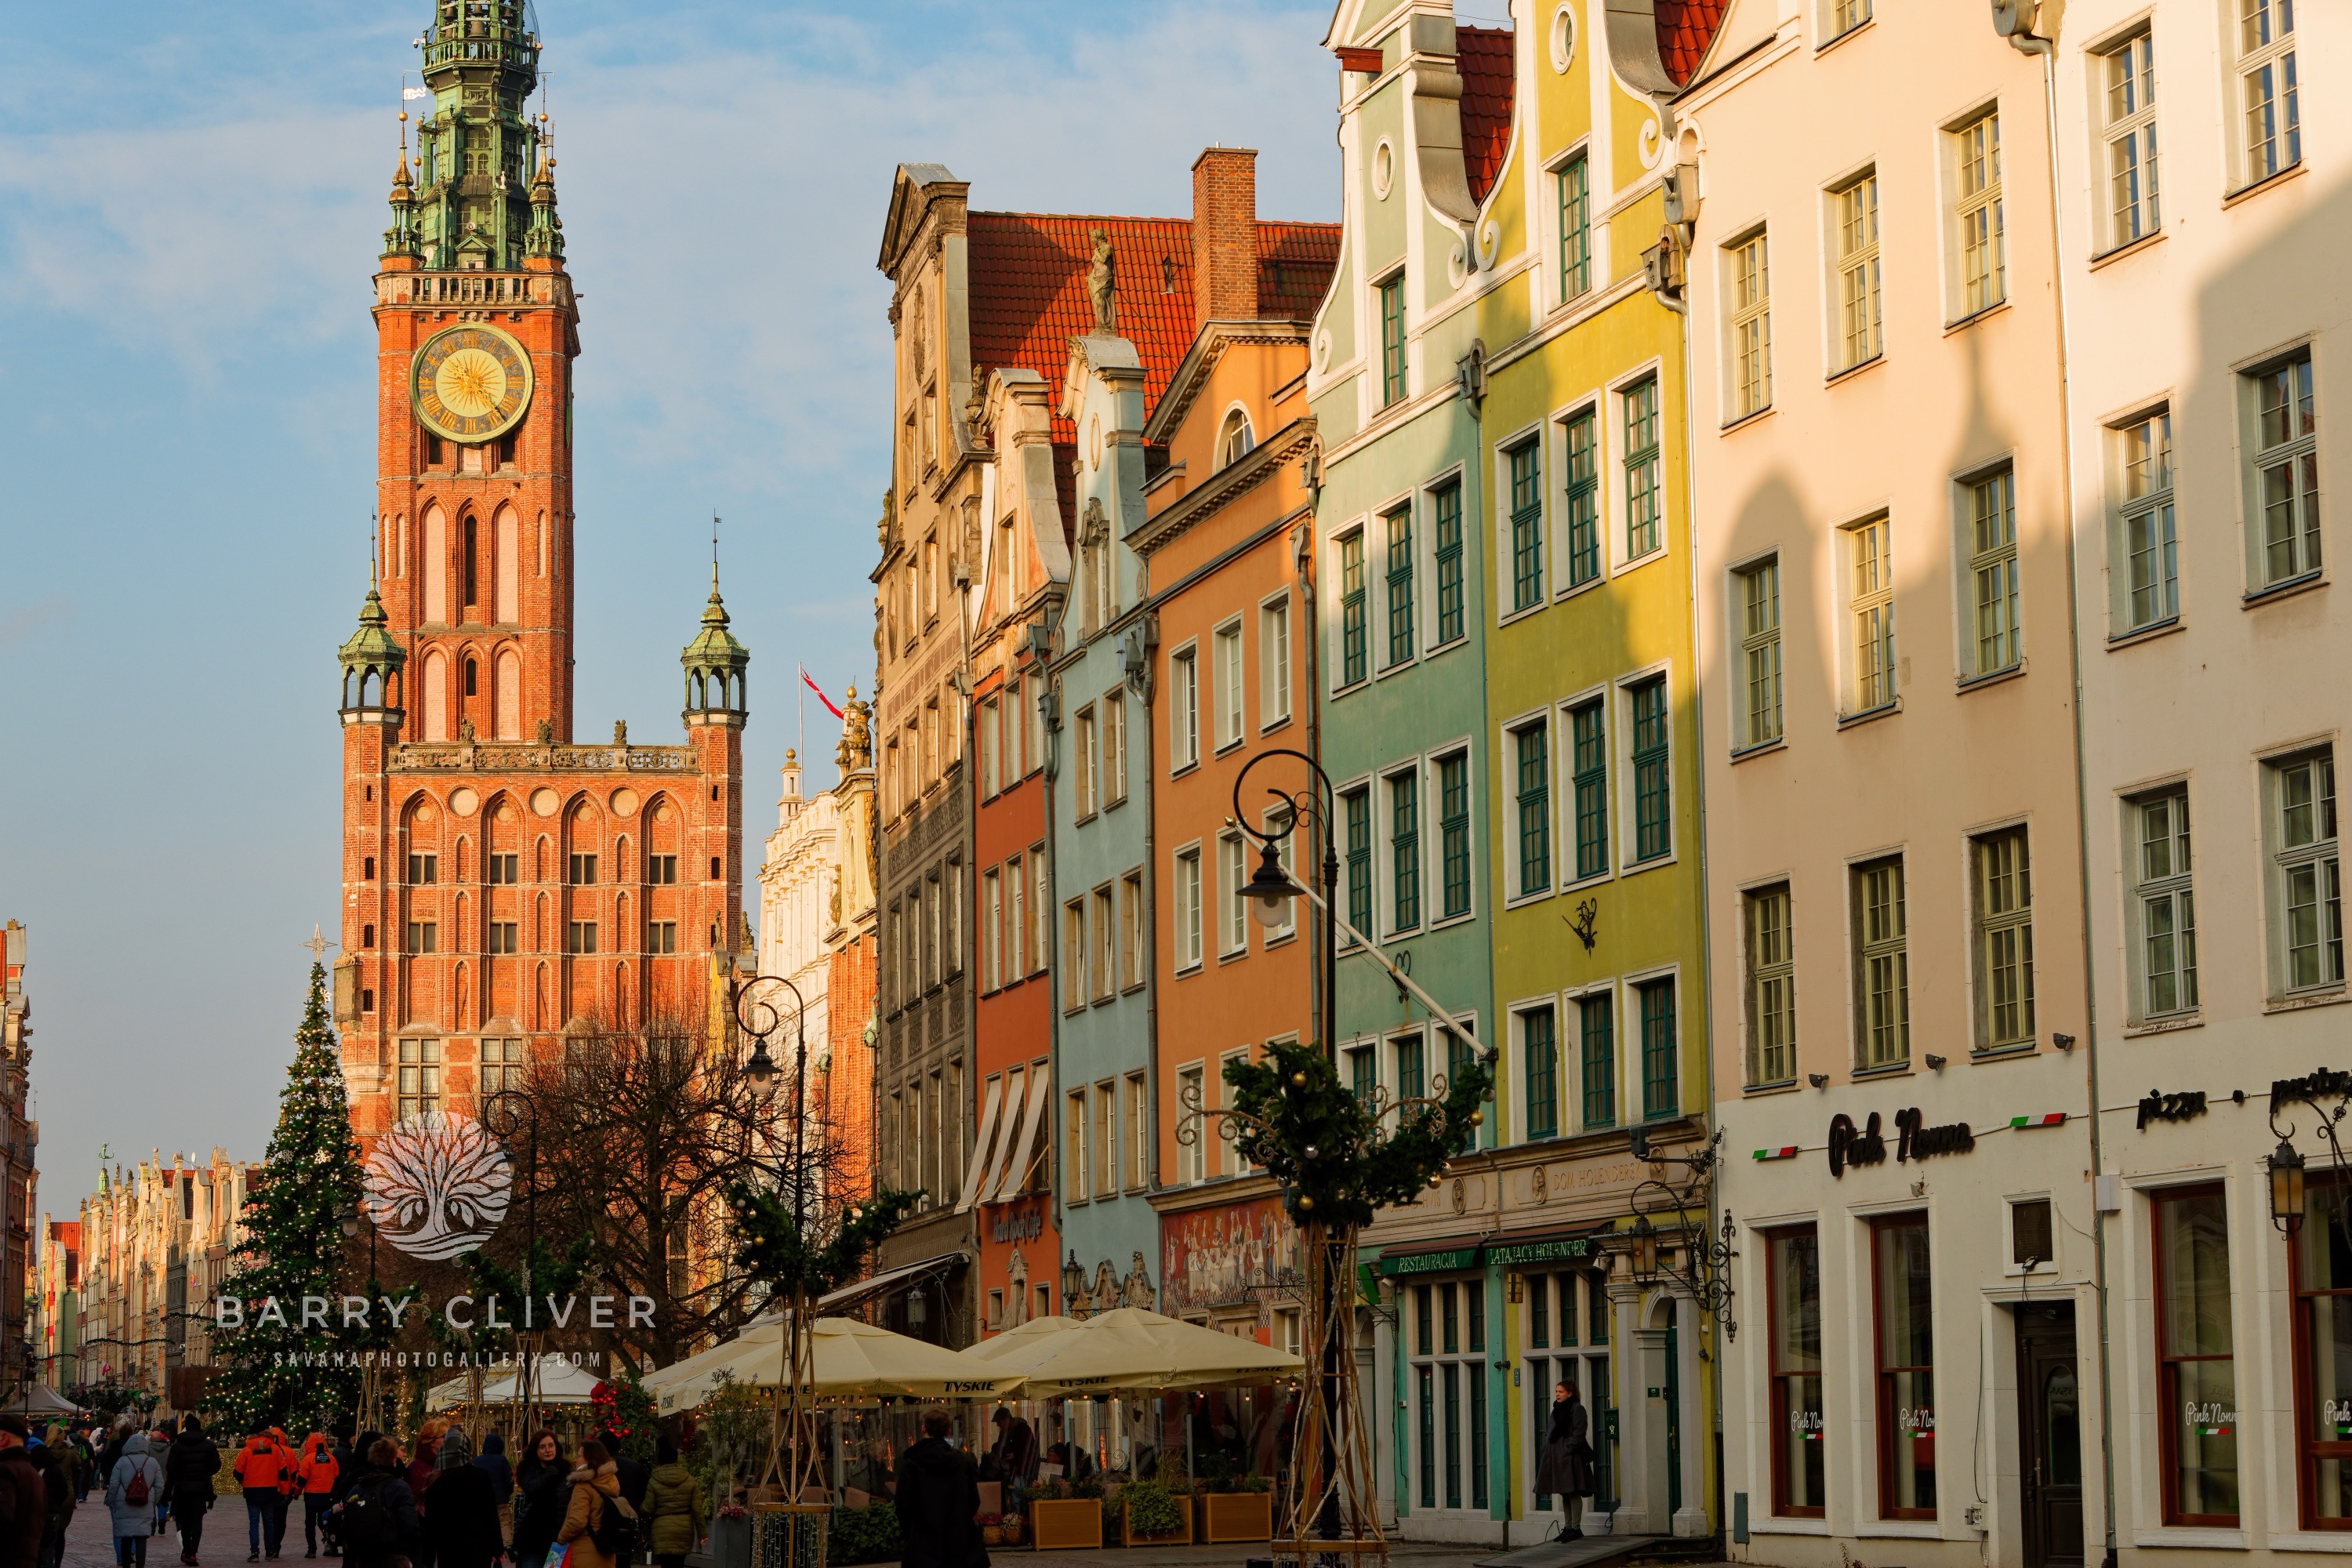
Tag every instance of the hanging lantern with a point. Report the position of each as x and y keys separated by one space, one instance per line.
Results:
x=2287 y=1187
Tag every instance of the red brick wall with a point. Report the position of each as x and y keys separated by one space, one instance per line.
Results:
x=1225 y=234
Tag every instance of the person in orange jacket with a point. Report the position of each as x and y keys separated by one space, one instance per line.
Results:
x=318 y=1470
x=262 y=1466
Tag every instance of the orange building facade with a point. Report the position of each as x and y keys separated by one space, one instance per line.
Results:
x=501 y=882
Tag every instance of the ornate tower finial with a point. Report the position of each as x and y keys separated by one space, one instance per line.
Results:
x=400 y=240
x=715 y=661
x=373 y=658
x=546 y=236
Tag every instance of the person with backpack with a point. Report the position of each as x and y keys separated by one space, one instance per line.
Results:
x=131 y=1491
x=260 y=1470
x=56 y=1464
x=461 y=1511
x=376 y=1521
x=539 y=1501
x=315 y=1473
x=676 y=1513
x=189 y=1466
x=599 y=1525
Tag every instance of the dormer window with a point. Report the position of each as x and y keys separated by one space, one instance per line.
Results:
x=1233 y=440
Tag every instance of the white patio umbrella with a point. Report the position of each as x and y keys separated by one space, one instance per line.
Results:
x=852 y=1361
x=1132 y=1348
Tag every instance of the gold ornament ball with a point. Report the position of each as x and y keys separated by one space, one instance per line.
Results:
x=1298 y=1080
x=1436 y=1180
x=1305 y=1203
x=1477 y=1119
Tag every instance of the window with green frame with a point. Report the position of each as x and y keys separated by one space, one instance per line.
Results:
x=1461 y=1050
x=1596 y=1034
x=1583 y=498
x=1392 y=340
x=1404 y=850
x=1454 y=834
x=1533 y=749
x=1446 y=505
x=1526 y=463
x=1589 y=735
x=1356 y=807
x=1425 y=1375
x=1400 y=583
x=1656 y=999
x=1408 y=1053
x=1538 y=1038
x=1642 y=501
x=1363 y=1074
x=1573 y=181
x=1653 y=805
x=1351 y=608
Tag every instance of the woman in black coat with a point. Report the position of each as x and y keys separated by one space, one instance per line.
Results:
x=1566 y=1471
x=938 y=1501
x=541 y=1497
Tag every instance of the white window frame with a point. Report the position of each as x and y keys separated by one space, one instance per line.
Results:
x=2160 y=902
x=1185 y=896
x=2257 y=61
x=1136 y=1086
x=1975 y=215
x=1229 y=659
x=2003 y=560
x=1135 y=930
x=1384 y=848
x=1191 y=1158
x=1747 y=263
x=2284 y=857
x=1756 y=973
x=1233 y=910
x=1082 y=749
x=1077 y=1168
x=1113 y=711
x=1104 y=1182
x=1074 y=955
x=1857 y=597
x=1016 y=920
x=1041 y=908
x=1102 y=938
x=1840 y=17
x=1755 y=642
x=1984 y=923
x=1274 y=661
x=2141 y=477
x=2297 y=454
x=1184 y=708
x=2129 y=199
x=1334 y=623
x=1856 y=276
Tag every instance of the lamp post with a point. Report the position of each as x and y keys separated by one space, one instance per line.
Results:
x=2285 y=1164
x=754 y=1005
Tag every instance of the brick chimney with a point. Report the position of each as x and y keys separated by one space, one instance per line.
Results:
x=1224 y=236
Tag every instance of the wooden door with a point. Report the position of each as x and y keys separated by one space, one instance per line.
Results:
x=2049 y=1435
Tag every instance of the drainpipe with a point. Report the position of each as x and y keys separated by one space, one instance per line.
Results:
x=2081 y=812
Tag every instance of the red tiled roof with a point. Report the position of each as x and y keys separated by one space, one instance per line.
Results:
x=1027 y=275
x=1686 y=27
x=1485 y=58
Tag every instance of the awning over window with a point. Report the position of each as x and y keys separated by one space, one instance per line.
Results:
x=981 y=1148
x=1022 y=1149
x=888 y=1282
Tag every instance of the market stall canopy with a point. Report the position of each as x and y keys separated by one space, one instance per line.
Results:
x=557 y=1381
x=42 y=1400
x=1019 y=1347
x=1134 y=1348
x=853 y=1361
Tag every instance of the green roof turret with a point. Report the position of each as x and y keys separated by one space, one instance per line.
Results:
x=372 y=659
x=715 y=663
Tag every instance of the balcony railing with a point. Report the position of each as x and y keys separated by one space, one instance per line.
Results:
x=496 y=289
x=452 y=756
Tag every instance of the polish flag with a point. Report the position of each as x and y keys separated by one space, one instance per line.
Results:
x=821 y=696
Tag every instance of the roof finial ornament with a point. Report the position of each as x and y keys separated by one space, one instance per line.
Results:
x=1102 y=284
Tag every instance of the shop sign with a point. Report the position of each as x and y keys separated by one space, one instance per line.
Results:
x=2328 y=1083
x=1025 y=1222
x=1555 y=1251
x=1450 y=1258
x=2161 y=1107
x=1915 y=1140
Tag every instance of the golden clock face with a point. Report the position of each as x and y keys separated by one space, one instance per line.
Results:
x=470 y=383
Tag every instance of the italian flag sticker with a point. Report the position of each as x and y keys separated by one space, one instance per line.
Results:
x=2047 y=1118
x=1786 y=1152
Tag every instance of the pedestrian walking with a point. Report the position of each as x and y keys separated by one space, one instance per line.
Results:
x=492 y=1462
x=461 y=1511
x=26 y=1496
x=189 y=1466
x=131 y=1488
x=675 y=1513
x=598 y=1522
x=57 y=1467
x=939 y=1500
x=261 y=1465
x=376 y=1521
x=635 y=1473
x=420 y=1481
x=1566 y=1468
x=85 y=1466
x=315 y=1471
x=539 y=1499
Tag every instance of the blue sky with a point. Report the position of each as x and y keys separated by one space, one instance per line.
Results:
x=191 y=202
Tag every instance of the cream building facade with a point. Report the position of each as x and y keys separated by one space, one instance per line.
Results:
x=1895 y=928
x=799 y=882
x=2205 y=202
x=156 y=1241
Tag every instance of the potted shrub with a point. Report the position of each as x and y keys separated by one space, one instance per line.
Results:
x=992 y=1529
x=1151 y=1515
x=1059 y=1519
x=1239 y=1507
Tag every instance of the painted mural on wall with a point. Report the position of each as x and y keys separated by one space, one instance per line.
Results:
x=1211 y=1257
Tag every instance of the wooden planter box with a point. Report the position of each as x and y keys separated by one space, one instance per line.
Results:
x=1180 y=1536
x=1057 y=1524
x=1236 y=1516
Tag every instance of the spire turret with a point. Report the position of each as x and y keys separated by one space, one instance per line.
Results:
x=400 y=240
x=372 y=659
x=475 y=145
x=546 y=236
x=715 y=666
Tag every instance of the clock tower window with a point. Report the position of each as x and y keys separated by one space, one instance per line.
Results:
x=434 y=456
x=473 y=586
x=473 y=679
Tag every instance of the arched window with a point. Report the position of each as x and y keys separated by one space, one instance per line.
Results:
x=436 y=696
x=505 y=568
x=1233 y=439
x=473 y=677
x=436 y=566
x=509 y=694
x=470 y=566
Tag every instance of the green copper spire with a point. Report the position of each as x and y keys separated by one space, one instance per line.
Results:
x=546 y=236
x=400 y=240
x=715 y=662
x=372 y=659
x=475 y=145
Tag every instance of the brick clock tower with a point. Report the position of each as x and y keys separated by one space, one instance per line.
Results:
x=503 y=886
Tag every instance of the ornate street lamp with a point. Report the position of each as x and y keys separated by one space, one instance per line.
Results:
x=1645 y=1251
x=1271 y=890
x=1074 y=1285
x=2286 y=1188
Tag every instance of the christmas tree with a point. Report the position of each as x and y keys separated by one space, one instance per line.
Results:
x=277 y=1369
